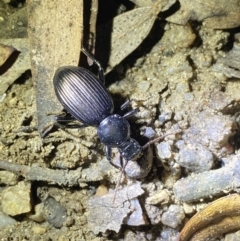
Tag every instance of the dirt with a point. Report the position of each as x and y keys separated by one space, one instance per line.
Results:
x=173 y=86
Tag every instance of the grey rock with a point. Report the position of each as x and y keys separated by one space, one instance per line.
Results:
x=195 y=158
x=6 y=221
x=173 y=216
x=54 y=212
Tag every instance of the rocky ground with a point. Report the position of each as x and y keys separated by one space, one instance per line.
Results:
x=62 y=187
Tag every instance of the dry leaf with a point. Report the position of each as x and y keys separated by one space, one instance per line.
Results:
x=90 y=37
x=5 y=52
x=128 y=31
x=229 y=64
x=55 y=32
x=21 y=64
x=218 y=15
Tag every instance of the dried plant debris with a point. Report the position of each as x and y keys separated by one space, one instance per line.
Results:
x=68 y=178
x=60 y=177
x=219 y=217
x=129 y=30
x=22 y=63
x=215 y=14
x=229 y=64
x=106 y=214
x=55 y=34
x=91 y=38
x=5 y=52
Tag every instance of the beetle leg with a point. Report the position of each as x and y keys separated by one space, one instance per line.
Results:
x=125 y=104
x=108 y=153
x=63 y=122
x=65 y=118
x=130 y=113
x=100 y=69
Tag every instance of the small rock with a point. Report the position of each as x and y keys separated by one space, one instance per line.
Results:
x=195 y=158
x=209 y=129
x=129 y=235
x=101 y=190
x=154 y=213
x=6 y=221
x=188 y=209
x=8 y=178
x=169 y=234
x=137 y=218
x=173 y=216
x=164 y=117
x=149 y=132
x=39 y=230
x=54 y=212
x=159 y=197
x=143 y=86
x=164 y=150
x=16 y=200
x=38 y=213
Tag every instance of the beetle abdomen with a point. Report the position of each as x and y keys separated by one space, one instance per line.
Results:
x=82 y=94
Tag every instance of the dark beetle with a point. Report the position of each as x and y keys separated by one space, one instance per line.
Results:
x=86 y=98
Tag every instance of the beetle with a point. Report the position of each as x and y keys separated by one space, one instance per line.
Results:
x=85 y=97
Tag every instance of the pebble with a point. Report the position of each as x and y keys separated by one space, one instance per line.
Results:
x=137 y=218
x=188 y=209
x=53 y=212
x=195 y=158
x=16 y=199
x=38 y=213
x=39 y=230
x=209 y=129
x=6 y=221
x=159 y=197
x=101 y=190
x=8 y=178
x=164 y=150
x=164 y=117
x=169 y=234
x=149 y=133
x=143 y=86
x=173 y=216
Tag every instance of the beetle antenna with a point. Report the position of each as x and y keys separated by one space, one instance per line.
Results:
x=160 y=138
x=119 y=181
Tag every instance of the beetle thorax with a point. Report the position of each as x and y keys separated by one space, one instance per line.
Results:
x=114 y=130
